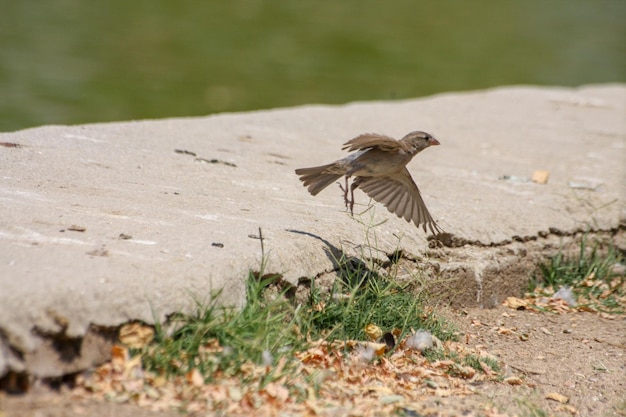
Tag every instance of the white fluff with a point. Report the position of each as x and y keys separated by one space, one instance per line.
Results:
x=566 y=294
x=365 y=353
x=420 y=340
x=267 y=358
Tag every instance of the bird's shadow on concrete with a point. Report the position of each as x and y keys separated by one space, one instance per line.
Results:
x=353 y=271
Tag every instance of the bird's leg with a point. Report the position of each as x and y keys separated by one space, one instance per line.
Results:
x=353 y=187
x=345 y=193
x=345 y=197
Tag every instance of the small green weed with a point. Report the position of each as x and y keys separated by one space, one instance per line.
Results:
x=219 y=340
x=381 y=301
x=591 y=274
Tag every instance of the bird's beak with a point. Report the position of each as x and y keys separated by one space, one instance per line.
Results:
x=433 y=141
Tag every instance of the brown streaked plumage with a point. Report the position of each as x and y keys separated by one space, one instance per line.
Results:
x=379 y=169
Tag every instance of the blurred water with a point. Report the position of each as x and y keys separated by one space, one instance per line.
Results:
x=70 y=61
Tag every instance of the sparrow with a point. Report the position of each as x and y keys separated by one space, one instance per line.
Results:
x=378 y=166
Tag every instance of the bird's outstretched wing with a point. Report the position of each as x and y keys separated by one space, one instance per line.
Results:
x=372 y=140
x=401 y=196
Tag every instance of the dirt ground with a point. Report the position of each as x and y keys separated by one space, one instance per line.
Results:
x=580 y=356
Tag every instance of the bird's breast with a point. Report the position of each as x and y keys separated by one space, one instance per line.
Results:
x=375 y=163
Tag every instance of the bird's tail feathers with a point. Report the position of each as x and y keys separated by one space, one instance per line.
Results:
x=317 y=178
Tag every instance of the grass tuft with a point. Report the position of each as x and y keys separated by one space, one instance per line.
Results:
x=219 y=340
x=345 y=314
x=595 y=275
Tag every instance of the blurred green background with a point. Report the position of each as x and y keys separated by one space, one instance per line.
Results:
x=70 y=61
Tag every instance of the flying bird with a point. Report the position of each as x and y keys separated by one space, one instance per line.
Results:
x=378 y=167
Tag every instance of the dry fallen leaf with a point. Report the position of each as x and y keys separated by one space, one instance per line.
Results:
x=277 y=391
x=570 y=409
x=505 y=330
x=373 y=331
x=557 y=397
x=131 y=365
x=403 y=376
x=136 y=335
x=540 y=176
x=513 y=380
x=119 y=355
x=235 y=393
x=516 y=303
x=378 y=348
x=443 y=392
x=194 y=377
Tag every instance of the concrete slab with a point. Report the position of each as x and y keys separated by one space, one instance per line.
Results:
x=105 y=223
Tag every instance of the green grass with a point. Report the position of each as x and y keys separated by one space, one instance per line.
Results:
x=219 y=341
x=590 y=274
x=376 y=299
x=242 y=335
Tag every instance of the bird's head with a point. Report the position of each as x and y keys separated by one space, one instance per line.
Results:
x=418 y=141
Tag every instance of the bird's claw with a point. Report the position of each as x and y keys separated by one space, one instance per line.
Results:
x=349 y=202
